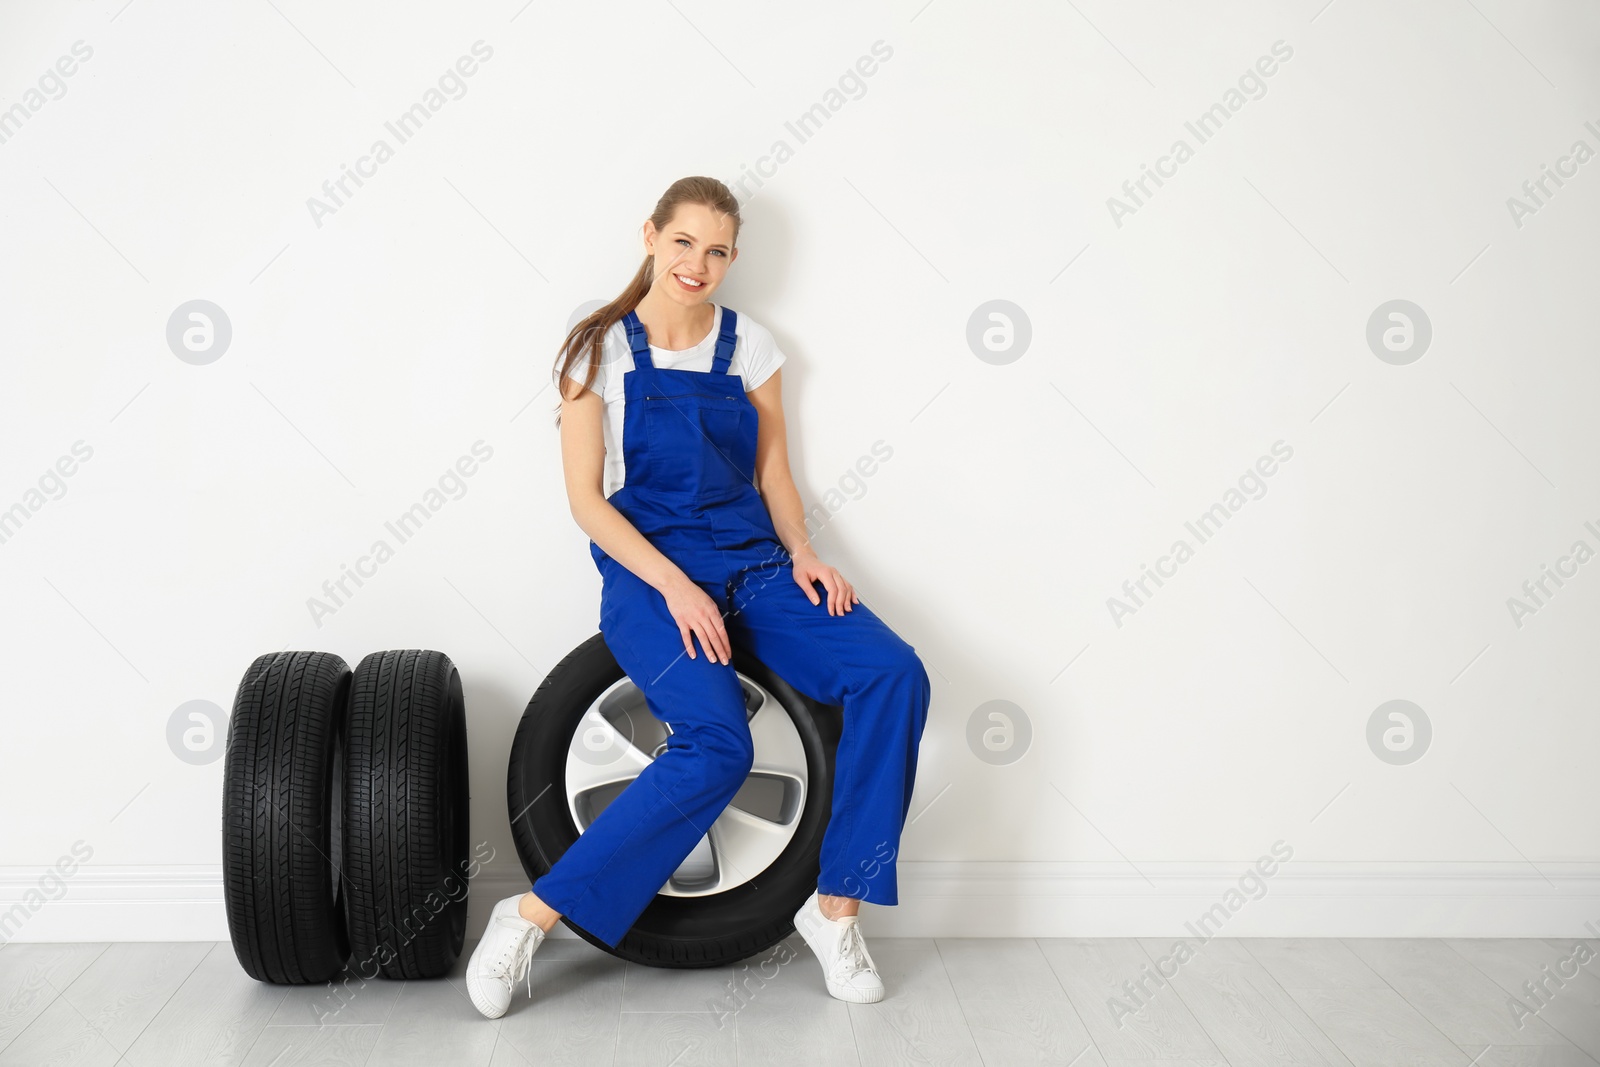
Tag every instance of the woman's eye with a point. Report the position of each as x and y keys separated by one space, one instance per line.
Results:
x=715 y=251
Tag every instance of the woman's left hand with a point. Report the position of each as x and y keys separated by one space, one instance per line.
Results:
x=808 y=569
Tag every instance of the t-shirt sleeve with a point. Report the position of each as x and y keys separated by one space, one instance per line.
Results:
x=764 y=357
x=580 y=370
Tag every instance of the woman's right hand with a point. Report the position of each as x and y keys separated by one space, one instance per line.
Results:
x=696 y=614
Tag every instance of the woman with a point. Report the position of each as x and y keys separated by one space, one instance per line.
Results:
x=681 y=479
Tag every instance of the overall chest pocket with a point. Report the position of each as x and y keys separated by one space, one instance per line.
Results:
x=698 y=440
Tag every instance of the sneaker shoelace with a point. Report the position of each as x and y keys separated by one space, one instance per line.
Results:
x=517 y=962
x=853 y=955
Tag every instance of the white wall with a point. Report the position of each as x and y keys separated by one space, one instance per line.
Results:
x=1171 y=348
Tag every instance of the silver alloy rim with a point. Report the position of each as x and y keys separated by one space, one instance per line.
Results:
x=618 y=737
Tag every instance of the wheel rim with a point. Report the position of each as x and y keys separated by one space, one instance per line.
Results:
x=618 y=737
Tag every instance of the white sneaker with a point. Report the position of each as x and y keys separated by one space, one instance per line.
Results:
x=846 y=965
x=503 y=958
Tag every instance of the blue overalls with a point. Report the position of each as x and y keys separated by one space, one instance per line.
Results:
x=689 y=448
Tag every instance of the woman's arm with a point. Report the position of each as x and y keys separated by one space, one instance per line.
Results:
x=775 y=483
x=583 y=459
x=774 y=480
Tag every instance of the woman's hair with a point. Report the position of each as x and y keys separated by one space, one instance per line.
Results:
x=587 y=338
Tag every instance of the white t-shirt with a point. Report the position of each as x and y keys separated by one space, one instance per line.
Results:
x=755 y=357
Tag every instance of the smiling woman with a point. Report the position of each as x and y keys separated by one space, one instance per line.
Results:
x=667 y=854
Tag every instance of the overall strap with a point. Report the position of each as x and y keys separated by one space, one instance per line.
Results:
x=725 y=342
x=638 y=340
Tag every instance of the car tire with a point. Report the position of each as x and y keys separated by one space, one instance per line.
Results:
x=406 y=814
x=280 y=834
x=586 y=714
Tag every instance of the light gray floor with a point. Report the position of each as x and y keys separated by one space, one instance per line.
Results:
x=1236 y=1001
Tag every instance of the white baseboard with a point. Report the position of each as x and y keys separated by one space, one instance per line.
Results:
x=955 y=899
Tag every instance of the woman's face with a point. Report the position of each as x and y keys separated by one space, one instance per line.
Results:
x=696 y=246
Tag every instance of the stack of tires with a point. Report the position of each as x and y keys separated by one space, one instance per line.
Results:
x=345 y=816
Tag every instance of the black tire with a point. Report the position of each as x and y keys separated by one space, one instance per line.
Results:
x=280 y=840
x=406 y=814
x=673 y=931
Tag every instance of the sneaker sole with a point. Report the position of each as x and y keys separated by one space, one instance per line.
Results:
x=483 y=1009
x=856 y=996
